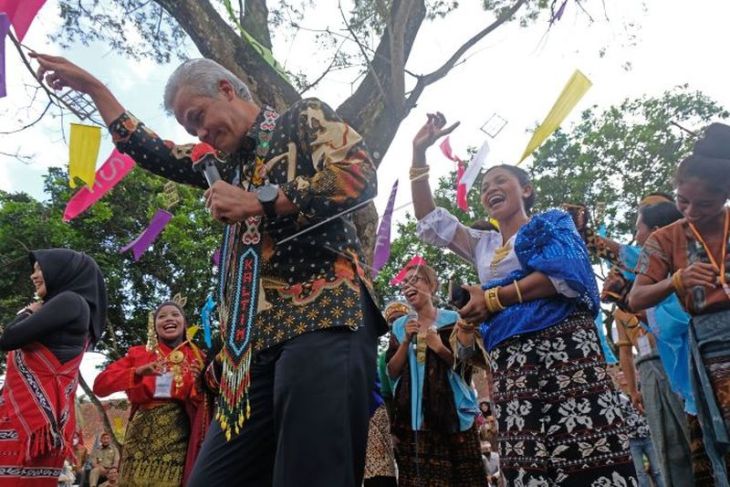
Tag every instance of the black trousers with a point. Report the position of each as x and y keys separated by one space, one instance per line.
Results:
x=309 y=413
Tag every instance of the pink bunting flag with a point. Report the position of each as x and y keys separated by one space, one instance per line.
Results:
x=21 y=14
x=414 y=262
x=4 y=27
x=461 y=202
x=114 y=169
x=140 y=244
x=382 y=242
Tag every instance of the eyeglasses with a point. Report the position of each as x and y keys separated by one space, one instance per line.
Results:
x=412 y=281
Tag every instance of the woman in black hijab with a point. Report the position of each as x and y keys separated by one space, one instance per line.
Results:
x=46 y=343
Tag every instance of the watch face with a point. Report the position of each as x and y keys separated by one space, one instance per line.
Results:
x=267 y=192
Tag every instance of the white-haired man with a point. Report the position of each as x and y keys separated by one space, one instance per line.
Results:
x=300 y=326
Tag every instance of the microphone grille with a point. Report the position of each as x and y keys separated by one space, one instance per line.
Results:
x=200 y=150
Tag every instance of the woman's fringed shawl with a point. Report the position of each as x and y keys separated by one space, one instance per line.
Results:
x=38 y=406
x=548 y=243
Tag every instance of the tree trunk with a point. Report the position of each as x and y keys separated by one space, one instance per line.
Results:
x=256 y=21
x=216 y=40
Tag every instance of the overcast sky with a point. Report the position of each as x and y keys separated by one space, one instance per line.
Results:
x=516 y=73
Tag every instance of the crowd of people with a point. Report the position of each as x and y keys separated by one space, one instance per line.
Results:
x=294 y=392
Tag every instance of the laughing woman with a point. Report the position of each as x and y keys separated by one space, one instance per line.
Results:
x=168 y=416
x=690 y=258
x=435 y=408
x=558 y=415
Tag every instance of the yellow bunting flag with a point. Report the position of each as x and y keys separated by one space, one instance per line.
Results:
x=83 y=151
x=571 y=95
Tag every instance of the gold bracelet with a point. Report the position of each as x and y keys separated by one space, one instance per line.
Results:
x=517 y=289
x=492 y=300
x=677 y=282
x=418 y=172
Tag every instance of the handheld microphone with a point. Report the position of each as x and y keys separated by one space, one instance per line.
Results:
x=412 y=317
x=204 y=160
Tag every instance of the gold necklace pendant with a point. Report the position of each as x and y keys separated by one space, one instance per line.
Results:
x=500 y=254
x=176 y=357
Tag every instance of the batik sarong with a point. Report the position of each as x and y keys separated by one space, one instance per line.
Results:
x=379 y=461
x=155 y=447
x=667 y=421
x=559 y=416
x=710 y=373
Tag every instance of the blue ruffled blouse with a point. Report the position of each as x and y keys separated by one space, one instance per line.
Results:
x=548 y=243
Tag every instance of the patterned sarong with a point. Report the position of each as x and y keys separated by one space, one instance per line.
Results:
x=709 y=341
x=667 y=421
x=433 y=459
x=559 y=417
x=155 y=447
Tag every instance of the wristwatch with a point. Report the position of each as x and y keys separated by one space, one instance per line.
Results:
x=267 y=195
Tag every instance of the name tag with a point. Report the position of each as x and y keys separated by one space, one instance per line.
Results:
x=163 y=385
x=644 y=345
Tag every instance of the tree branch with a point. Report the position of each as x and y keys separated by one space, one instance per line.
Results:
x=100 y=409
x=30 y=124
x=397 y=25
x=444 y=69
x=371 y=69
x=255 y=19
x=216 y=40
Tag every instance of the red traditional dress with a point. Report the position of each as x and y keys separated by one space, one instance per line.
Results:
x=169 y=414
x=37 y=417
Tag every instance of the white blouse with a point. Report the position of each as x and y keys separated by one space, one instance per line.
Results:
x=442 y=229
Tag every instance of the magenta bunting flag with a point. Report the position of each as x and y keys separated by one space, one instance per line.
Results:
x=415 y=261
x=21 y=14
x=461 y=202
x=461 y=188
x=382 y=242
x=4 y=26
x=114 y=169
x=445 y=147
x=140 y=244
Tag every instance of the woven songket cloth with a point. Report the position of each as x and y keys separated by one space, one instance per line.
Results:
x=709 y=365
x=37 y=417
x=155 y=447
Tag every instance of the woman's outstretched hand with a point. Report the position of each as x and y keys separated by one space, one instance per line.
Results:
x=431 y=132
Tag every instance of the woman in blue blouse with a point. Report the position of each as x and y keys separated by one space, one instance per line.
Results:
x=559 y=418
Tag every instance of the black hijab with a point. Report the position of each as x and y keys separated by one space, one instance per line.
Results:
x=68 y=270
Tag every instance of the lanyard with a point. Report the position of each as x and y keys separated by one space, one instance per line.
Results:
x=723 y=251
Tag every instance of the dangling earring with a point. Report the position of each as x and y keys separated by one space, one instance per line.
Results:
x=151 y=332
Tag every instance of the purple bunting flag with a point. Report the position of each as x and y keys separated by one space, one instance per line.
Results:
x=4 y=27
x=559 y=13
x=140 y=244
x=215 y=259
x=382 y=243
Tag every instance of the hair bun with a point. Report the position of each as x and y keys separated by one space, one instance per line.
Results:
x=715 y=142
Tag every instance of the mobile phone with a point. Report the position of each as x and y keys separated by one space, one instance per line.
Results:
x=458 y=296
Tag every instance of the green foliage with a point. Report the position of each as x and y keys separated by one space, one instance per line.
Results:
x=614 y=157
x=179 y=261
